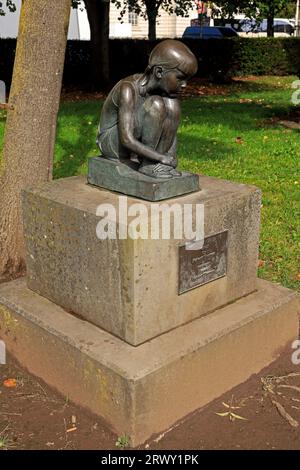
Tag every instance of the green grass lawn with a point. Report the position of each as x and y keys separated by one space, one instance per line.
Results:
x=230 y=136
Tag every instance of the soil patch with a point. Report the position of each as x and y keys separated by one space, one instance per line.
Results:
x=195 y=87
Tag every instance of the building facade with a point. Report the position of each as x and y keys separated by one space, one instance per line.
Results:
x=132 y=26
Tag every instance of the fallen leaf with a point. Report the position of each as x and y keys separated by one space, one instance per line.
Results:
x=285 y=415
x=10 y=383
x=261 y=263
x=238 y=417
x=292 y=387
x=71 y=429
x=230 y=406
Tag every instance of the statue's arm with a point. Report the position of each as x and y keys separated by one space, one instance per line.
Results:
x=126 y=124
x=173 y=153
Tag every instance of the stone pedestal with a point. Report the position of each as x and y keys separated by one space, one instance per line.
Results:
x=143 y=331
x=131 y=288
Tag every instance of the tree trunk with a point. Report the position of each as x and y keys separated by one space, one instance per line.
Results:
x=297 y=23
x=151 y=27
x=152 y=12
x=270 y=22
x=29 y=139
x=98 y=16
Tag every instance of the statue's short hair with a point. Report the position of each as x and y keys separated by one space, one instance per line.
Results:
x=172 y=54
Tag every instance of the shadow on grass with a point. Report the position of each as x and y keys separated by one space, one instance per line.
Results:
x=260 y=84
x=194 y=149
x=76 y=137
x=238 y=116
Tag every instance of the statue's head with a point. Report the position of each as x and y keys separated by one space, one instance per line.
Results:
x=171 y=64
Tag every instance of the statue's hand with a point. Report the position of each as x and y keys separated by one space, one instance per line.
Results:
x=173 y=161
x=167 y=160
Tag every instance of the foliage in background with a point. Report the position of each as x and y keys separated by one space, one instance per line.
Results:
x=98 y=74
x=149 y=10
x=10 y=5
x=218 y=59
x=259 y=10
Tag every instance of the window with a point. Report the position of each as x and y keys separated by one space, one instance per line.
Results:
x=132 y=18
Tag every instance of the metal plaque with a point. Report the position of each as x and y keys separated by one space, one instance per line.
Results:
x=200 y=266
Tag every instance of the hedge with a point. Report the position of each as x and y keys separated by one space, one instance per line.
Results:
x=249 y=56
x=217 y=57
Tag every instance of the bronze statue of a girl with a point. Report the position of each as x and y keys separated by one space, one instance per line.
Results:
x=140 y=116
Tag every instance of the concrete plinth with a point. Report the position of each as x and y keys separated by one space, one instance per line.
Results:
x=131 y=287
x=145 y=389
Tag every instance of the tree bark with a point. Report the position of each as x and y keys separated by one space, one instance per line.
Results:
x=98 y=16
x=151 y=27
x=27 y=157
x=270 y=22
x=152 y=12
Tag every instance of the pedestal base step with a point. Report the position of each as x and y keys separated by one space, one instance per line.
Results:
x=145 y=389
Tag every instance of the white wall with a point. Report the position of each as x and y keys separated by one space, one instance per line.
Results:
x=9 y=23
x=84 y=27
x=167 y=25
x=73 y=32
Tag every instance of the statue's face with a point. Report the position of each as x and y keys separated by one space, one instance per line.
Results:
x=172 y=82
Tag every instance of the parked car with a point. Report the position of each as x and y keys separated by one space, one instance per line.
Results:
x=282 y=27
x=208 y=32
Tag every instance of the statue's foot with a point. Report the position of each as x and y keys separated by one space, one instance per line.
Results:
x=157 y=170
x=175 y=172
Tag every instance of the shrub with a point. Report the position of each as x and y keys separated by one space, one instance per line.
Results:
x=218 y=58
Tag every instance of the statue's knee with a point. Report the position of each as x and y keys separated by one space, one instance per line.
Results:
x=156 y=107
x=172 y=108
